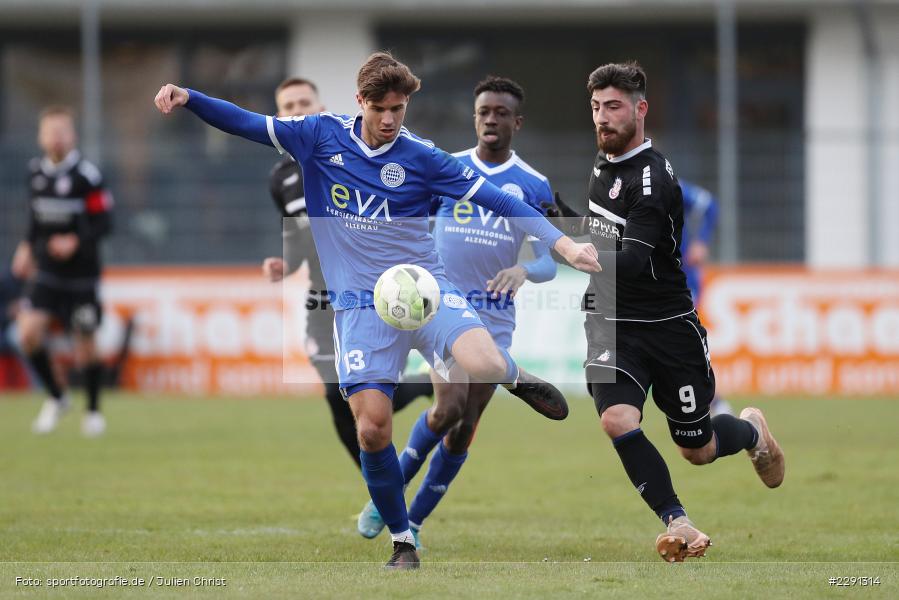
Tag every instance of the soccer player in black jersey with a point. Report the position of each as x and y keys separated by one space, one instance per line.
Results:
x=70 y=214
x=642 y=329
x=297 y=97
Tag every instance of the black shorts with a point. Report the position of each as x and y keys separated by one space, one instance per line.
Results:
x=77 y=309
x=671 y=357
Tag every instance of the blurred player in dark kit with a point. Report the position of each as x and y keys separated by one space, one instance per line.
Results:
x=60 y=255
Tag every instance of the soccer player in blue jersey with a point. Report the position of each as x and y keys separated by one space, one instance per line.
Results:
x=480 y=251
x=368 y=183
x=700 y=220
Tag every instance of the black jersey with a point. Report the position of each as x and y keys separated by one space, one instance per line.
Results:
x=68 y=197
x=636 y=197
x=286 y=187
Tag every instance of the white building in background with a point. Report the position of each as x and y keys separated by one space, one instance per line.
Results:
x=851 y=78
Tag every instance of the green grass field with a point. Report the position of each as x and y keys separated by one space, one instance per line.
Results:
x=260 y=493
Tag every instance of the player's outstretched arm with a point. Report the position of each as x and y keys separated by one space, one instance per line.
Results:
x=223 y=115
x=579 y=256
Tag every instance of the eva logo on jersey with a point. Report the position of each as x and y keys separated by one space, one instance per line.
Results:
x=370 y=207
x=463 y=211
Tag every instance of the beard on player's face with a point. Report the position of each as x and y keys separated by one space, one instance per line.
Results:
x=613 y=140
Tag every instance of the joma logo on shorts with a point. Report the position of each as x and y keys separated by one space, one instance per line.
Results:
x=692 y=433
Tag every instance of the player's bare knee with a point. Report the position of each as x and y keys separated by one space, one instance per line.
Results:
x=693 y=456
x=374 y=429
x=29 y=339
x=698 y=456
x=459 y=437
x=373 y=436
x=618 y=420
x=446 y=413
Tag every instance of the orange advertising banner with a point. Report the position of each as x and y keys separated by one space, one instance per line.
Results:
x=773 y=330
x=207 y=330
x=784 y=330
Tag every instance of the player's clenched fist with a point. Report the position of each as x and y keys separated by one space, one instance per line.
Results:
x=582 y=257
x=274 y=268
x=170 y=96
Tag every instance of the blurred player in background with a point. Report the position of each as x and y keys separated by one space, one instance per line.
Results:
x=641 y=322
x=700 y=221
x=70 y=214
x=296 y=97
x=490 y=275
x=369 y=182
x=12 y=371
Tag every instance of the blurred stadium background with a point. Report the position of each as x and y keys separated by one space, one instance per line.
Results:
x=785 y=109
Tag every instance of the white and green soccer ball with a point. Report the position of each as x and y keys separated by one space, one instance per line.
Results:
x=407 y=297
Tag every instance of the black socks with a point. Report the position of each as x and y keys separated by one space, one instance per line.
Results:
x=40 y=361
x=649 y=474
x=733 y=434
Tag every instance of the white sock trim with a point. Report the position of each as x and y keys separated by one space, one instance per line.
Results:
x=403 y=536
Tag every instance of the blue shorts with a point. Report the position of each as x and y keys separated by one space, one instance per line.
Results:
x=369 y=353
x=500 y=324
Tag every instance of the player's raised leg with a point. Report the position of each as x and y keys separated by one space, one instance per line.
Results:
x=684 y=389
x=477 y=353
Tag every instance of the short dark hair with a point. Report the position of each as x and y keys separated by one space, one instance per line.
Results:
x=628 y=77
x=292 y=81
x=381 y=74
x=500 y=85
x=55 y=110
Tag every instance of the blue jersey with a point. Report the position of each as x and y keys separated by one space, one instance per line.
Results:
x=368 y=207
x=699 y=205
x=474 y=243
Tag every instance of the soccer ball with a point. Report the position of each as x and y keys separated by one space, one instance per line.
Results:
x=407 y=297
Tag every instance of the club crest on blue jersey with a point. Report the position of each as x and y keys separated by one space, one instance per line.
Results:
x=392 y=175
x=454 y=301
x=514 y=189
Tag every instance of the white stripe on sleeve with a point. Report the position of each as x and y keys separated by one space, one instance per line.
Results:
x=270 y=125
x=471 y=192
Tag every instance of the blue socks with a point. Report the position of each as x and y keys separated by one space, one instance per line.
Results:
x=421 y=441
x=382 y=473
x=443 y=469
